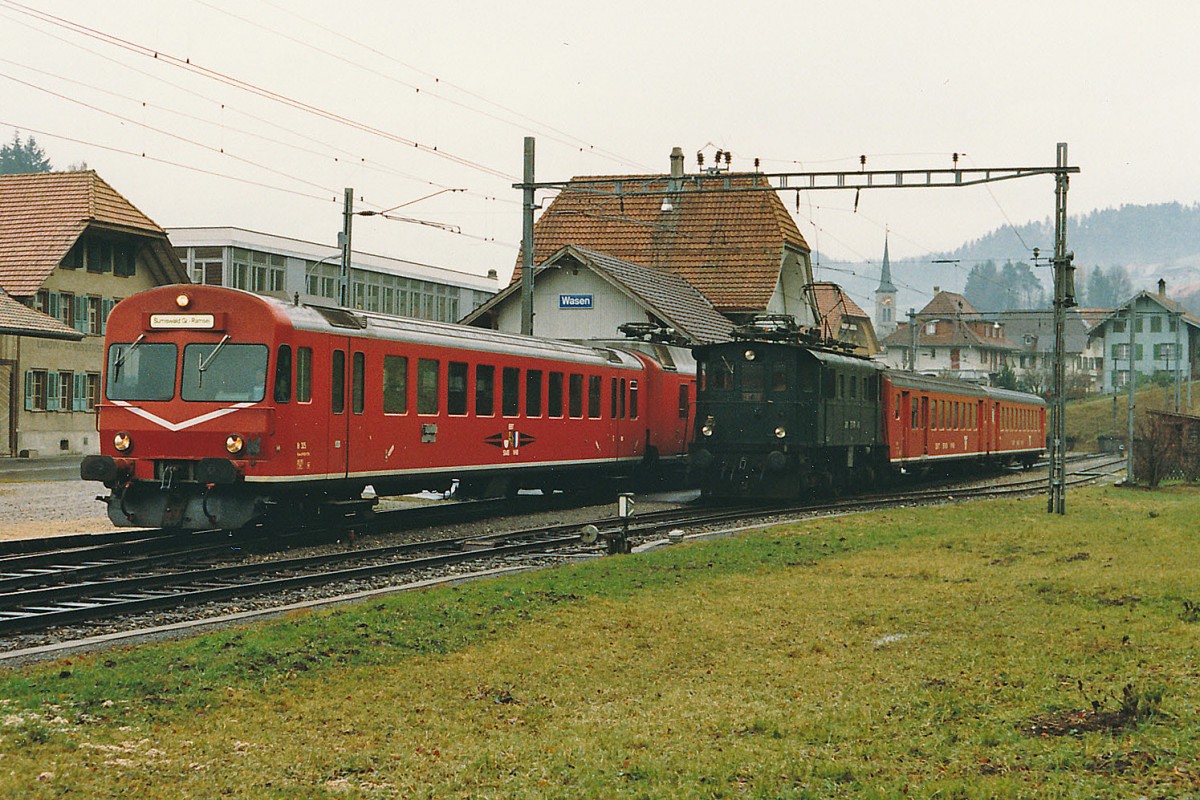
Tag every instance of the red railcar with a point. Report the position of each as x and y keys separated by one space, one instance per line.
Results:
x=929 y=420
x=223 y=407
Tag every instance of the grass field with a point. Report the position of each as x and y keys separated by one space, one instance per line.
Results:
x=978 y=650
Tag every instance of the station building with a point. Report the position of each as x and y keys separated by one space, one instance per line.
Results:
x=71 y=247
x=278 y=266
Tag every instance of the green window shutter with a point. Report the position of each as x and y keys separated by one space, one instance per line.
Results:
x=29 y=390
x=1138 y=355
x=52 y=304
x=106 y=307
x=81 y=313
x=52 y=390
x=79 y=392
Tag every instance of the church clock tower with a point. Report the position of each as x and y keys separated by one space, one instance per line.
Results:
x=885 y=298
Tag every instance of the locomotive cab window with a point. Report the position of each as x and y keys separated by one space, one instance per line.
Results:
x=141 y=371
x=779 y=382
x=633 y=399
x=221 y=371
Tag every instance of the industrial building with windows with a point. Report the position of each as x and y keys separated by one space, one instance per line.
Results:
x=281 y=267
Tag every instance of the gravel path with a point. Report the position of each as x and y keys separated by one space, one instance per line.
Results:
x=50 y=508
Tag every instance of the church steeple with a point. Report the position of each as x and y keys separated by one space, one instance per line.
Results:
x=885 y=297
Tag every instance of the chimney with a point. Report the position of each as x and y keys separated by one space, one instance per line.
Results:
x=1162 y=288
x=677 y=162
x=937 y=289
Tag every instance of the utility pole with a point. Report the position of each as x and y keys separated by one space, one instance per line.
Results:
x=344 y=243
x=1178 y=353
x=1064 y=298
x=527 y=207
x=1132 y=385
x=912 y=335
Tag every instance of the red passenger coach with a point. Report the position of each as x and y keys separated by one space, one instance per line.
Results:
x=930 y=420
x=222 y=408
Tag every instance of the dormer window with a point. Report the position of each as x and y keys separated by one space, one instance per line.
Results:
x=931 y=328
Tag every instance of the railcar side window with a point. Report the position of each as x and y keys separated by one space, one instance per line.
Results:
x=613 y=398
x=357 y=380
x=533 y=393
x=593 y=400
x=427 y=385
x=621 y=400
x=485 y=390
x=897 y=409
x=916 y=413
x=304 y=375
x=853 y=387
x=633 y=399
x=395 y=384
x=701 y=375
x=575 y=395
x=456 y=388
x=510 y=392
x=338 y=382
x=283 y=374
x=141 y=371
x=841 y=385
x=554 y=402
x=684 y=405
x=828 y=384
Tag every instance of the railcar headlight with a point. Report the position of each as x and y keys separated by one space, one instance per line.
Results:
x=780 y=432
x=749 y=355
x=182 y=300
x=707 y=428
x=122 y=441
x=234 y=443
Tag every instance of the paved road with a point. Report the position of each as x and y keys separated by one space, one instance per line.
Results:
x=55 y=468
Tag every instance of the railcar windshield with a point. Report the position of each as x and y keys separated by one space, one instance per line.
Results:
x=224 y=372
x=141 y=371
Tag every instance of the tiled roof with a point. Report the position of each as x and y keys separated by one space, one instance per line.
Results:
x=955 y=334
x=723 y=237
x=17 y=320
x=43 y=214
x=947 y=305
x=835 y=307
x=669 y=296
x=1034 y=330
x=1167 y=303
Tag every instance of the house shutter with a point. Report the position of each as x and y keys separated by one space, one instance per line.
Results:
x=79 y=392
x=81 y=313
x=53 y=390
x=52 y=305
x=106 y=307
x=29 y=390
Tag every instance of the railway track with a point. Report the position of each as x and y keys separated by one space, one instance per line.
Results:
x=119 y=578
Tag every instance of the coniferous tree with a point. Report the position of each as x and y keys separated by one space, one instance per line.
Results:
x=20 y=157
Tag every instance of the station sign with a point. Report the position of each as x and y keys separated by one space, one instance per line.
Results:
x=578 y=302
x=183 y=321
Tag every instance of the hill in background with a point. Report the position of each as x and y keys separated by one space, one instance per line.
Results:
x=1149 y=241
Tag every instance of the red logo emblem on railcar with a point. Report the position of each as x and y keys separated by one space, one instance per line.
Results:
x=510 y=440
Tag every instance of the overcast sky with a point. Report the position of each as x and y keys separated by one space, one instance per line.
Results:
x=606 y=88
